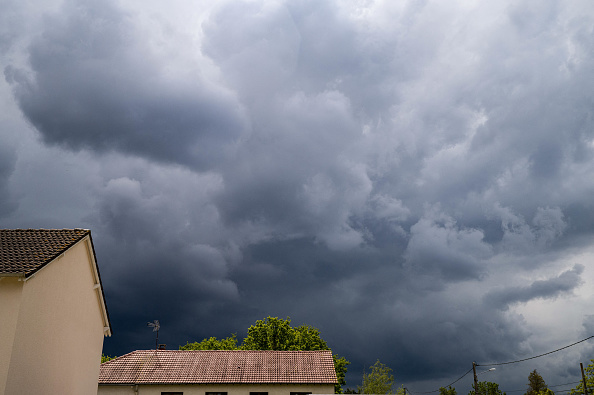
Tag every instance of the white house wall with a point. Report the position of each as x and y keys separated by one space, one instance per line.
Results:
x=10 y=301
x=59 y=334
x=198 y=389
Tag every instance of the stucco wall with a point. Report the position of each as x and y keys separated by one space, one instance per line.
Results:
x=59 y=334
x=10 y=301
x=195 y=389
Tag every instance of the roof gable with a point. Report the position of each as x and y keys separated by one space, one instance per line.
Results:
x=25 y=251
x=220 y=367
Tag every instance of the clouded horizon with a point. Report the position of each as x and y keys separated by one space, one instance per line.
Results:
x=412 y=178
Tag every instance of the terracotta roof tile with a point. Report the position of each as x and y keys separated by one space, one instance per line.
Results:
x=28 y=250
x=220 y=367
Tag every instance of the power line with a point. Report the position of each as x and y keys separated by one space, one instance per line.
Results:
x=561 y=385
x=449 y=385
x=537 y=356
x=505 y=363
x=548 y=386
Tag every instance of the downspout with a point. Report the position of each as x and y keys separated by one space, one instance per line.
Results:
x=136 y=389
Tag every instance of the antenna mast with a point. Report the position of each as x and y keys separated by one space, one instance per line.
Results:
x=155 y=325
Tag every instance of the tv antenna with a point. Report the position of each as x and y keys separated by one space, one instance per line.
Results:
x=155 y=325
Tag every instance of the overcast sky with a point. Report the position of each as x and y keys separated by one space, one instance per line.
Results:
x=413 y=178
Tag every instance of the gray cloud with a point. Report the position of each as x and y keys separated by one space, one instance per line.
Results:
x=111 y=89
x=545 y=289
x=8 y=202
x=400 y=175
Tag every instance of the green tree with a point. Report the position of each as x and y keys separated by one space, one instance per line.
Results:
x=589 y=373
x=271 y=333
x=447 y=391
x=340 y=366
x=536 y=384
x=379 y=381
x=275 y=333
x=487 y=388
x=105 y=358
x=229 y=343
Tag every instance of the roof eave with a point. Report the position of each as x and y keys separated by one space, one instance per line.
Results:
x=107 y=331
x=20 y=274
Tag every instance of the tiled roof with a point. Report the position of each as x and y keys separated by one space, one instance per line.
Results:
x=220 y=367
x=28 y=250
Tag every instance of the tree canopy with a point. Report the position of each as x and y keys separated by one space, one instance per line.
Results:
x=487 y=388
x=105 y=358
x=212 y=343
x=447 y=391
x=275 y=333
x=379 y=381
x=536 y=384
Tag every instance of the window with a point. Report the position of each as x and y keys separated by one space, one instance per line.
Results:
x=215 y=393
x=300 y=393
x=258 y=393
x=172 y=393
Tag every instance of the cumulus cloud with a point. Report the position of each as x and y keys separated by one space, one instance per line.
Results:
x=405 y=176
x=550 y=288
x=7 y=164
x=113 y=88
x=438 y=245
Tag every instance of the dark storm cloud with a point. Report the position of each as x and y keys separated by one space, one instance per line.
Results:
x=399 y=176
x=110 y=89
x=8 y=202
x=436 y=244
x=545 y=289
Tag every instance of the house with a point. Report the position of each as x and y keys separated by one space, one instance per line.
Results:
x=219 y=372
x=53 y=316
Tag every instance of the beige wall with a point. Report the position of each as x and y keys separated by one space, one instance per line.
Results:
x=196 y=389
x=10 y=301
x=59 y=333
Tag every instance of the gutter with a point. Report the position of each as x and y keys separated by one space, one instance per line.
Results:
x=20 y=274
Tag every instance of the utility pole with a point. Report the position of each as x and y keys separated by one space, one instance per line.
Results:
x=584 y=379
x=475 y=379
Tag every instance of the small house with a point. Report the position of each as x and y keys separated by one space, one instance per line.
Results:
x=219 y=372
x=53 y=316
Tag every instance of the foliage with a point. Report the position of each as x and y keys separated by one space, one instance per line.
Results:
x=105 y=358
x=487 y=388
x=229 y=343
x=589 y=373
x=275 y=333
x=447 y=391
x=536 y=384
x=379 y=381
x=340 y=366
x=402 y=391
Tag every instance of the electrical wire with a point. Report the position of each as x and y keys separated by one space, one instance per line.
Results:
x=537 y=356
x=449 y=385
x=505 y=363
x=549 y=386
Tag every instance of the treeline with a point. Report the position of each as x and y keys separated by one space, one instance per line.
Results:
x=381 y=381
x=275 y=333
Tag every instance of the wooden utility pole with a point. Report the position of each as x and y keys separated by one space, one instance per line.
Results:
x=475 y=379
x=584 y=379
